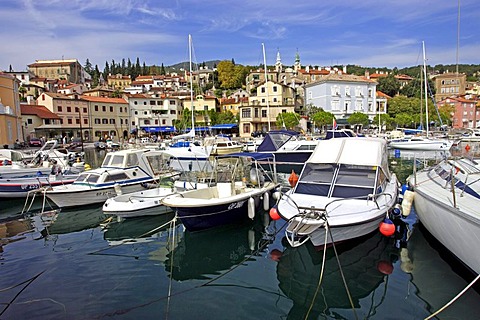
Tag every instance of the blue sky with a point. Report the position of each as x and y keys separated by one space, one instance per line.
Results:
x=367 y=33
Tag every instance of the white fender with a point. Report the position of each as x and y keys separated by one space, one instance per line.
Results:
x=266 y=201
x=118 y=189
x=407 y=202
x=251 y=239
x=251 y=208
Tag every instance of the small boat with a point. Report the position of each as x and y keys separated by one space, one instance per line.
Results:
x=420 y=144
x=221 y=145
x=473 y=135
x=347 y=185
x=121 y=172
x=446 y=197
x=240 y=183
x=148 y=202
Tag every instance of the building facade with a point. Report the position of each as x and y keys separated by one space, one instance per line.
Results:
x=343 y=95
x=10 y=114
x=466 y=111
x=449 y=84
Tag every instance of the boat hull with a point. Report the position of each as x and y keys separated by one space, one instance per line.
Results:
x=141 y=203
x=457 y=231
x=427 y=145
x=20 y=187
x=69 y=197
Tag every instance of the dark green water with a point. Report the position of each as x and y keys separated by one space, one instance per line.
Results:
x=74 y=265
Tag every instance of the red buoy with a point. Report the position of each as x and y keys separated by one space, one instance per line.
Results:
x=293 y=179
x=276 y=254
x=274 y=213
x=387 y=228
x=385 y=267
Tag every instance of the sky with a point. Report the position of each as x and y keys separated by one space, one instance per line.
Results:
x=368 y=33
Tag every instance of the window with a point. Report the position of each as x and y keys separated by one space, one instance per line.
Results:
x=84 y=110
x=146 y=122
x=69 y=121
x=121 y=109
x=246 y=113
x=85 y=121
x=104 y=108
x=152 y=102
x=112 y=121
x=77 y=121
x=59 y=109
x=97 y=121
x=275 y=89
x=264 y=113
x=263 y=89
x=104 y=121
x=96 y=108
x=77 y=110
x=29 y=121
x=69 y=109
x=111 y=109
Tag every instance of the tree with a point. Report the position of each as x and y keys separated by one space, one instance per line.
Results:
x=388 y=85
x=288 y=120
x=226 y=74
x=88 y=67
x=404 y=120
x=358 y=118
x=322 y=118
x=384 y=119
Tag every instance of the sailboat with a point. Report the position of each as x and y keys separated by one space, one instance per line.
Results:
x=422 y=143
x=183 y=147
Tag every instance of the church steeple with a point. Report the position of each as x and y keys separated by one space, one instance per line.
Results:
x=297 y=66
x=278 y=63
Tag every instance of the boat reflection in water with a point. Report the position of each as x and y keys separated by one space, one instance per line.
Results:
x=68 y=221
x=205 y=254
x=439 y=276
x=365 y=263
x=134 y=229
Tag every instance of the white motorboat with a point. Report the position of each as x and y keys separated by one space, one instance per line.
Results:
x=148 y=202
x=473 y=135
x=222 y=145
x=140 y=203
x=123 y=171
x=446 y=197
x=240 y=184
x=346 y=185
x=421 y=144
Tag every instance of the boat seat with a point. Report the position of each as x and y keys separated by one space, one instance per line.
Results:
x=224 y=189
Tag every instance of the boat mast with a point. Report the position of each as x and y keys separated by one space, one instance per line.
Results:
x=425 y=86
x=191 y=82
x=266 y=85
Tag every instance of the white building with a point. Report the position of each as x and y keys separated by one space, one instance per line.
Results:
x=343 y=95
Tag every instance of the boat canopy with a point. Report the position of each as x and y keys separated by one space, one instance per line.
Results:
x=358 y=151
x=254 y=155
x=275 y=139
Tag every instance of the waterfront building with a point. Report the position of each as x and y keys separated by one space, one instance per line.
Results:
x=343 y=95
x=10 y=126
x=449 y=84
x=38 y=121
x=466 y=111
x=153 y=113
x=73 y=113
x=271 y=99
x=108 y=117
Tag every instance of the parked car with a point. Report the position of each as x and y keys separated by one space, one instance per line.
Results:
x=76 y=143
x=35 y=142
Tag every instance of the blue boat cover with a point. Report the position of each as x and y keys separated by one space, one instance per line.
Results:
x=275 y=139
x=224 y=126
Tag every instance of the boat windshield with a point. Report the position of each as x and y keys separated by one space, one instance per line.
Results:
x=87 y=177
x=339 y=181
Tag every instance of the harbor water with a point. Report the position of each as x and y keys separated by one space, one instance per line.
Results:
x=80 y=264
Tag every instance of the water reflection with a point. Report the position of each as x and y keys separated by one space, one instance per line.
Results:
x=365 y=264
x=204 y=254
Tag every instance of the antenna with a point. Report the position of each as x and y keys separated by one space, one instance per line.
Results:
x=266 y=86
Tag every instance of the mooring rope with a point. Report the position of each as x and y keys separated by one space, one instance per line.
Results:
x=454 y=299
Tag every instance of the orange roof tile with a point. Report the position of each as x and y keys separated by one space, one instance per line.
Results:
x=37 y=110
x=104 y=99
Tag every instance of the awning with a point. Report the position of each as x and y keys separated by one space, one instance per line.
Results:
x=159 y=129
x=224 y=126
x=198 y=129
